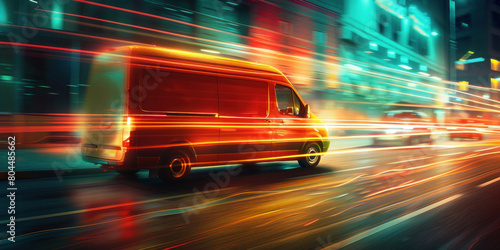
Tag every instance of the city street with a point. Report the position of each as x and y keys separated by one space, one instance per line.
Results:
x=440 y=196
x=119 y=119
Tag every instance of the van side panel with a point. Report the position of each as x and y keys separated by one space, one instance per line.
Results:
x=245 y=133
x=178 y=109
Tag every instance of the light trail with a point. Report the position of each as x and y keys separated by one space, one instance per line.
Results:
x=394 y=204
x=414 y=183
x=414 y=89
x=381 y=90
x=397 y=92
x=246 y=37
x=425 y=91
x=390 y=224
x=37 y=46
x=48 y=47
x=125 y=42
x=486 y=149
x=489 y=182
x=403 y=80
x=374 y=73
x=247 y=48
x=443 y=155
x=272 y=193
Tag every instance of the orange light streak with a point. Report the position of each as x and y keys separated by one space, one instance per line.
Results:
x=404 y=185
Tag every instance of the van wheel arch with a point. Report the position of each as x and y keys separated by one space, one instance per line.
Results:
x=318 y=141
x=175 y=164
x=188 y=149
x=311 y=161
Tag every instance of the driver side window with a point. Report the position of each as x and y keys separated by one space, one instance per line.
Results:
x=288 y=102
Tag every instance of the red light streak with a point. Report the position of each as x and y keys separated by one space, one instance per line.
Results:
x=80 y=35
x=36 y=46
x=155 y=30
x=309 y=223
x=181 y=22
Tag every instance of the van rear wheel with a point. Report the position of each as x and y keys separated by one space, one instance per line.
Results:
x=310 y=161
x=175 y=167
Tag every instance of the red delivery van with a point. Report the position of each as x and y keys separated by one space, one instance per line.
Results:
x=168 y=111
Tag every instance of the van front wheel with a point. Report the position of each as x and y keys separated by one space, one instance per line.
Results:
x=175 y=167
x=312 y=158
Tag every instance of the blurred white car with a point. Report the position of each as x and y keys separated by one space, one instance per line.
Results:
x=407 y=127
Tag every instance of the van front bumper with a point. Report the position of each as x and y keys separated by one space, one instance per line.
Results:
x=326 y=146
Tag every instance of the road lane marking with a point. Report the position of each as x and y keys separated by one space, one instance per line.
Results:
x=489 y=182
x=389 y=224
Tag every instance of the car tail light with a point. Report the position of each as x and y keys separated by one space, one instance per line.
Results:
x=126 y=132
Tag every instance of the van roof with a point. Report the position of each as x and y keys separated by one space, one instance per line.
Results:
x=192 y=56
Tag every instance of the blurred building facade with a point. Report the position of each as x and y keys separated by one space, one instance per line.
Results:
x=478 y=47
x=339 y=53
x=395 y=52
x=291 y=35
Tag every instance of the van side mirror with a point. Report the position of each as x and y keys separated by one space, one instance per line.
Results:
x=289 y=111
x=308 y=111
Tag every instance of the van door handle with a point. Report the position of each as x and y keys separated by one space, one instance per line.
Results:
x=268 y=121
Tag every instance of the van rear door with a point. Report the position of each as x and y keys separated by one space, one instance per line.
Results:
x=104 y=108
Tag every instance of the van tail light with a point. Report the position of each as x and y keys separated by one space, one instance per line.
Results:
x=126 y=132
x=126 y=142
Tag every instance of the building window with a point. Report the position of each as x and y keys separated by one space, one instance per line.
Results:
x=412 y=39
x=495 y=83
x=423 y=47
x=320 y=37
x=495 y=64
x=396 y=28
x=495 y=19
x=463 y=22
x=381 y=28
x=495 y=42
x=382 y=24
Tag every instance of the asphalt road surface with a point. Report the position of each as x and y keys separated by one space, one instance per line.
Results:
x=442 y=196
